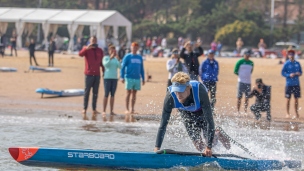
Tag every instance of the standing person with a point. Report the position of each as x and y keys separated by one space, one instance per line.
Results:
x=32 y=52
x=148 y=45
x=2 y=46
x=191 y=58
x=51 y=49
x=174 y=65
x=243 y=69
x=209 y=70
x=219 y=48
x=122 y=52
x=93 y=61
x=111 y=64
x=14 y=44
x=262 y=46
x=213 y=45
x=192 y=101
x=132 y=70
x=292 y=71
x=239 y=44
x=164 y=43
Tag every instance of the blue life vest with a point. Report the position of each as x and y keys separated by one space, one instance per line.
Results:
x=195 y=92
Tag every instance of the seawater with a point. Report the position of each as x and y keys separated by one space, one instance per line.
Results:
x=279 y=140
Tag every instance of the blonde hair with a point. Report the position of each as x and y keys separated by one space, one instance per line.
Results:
x=181 y=77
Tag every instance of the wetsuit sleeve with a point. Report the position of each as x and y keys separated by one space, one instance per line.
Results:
x=252 y=93
x=167 y=109
x=182 y=53
x=200 y=51
x=206 y=108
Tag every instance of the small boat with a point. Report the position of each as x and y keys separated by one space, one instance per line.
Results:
x=163 y=159
x=34 y=68
x=61 y=93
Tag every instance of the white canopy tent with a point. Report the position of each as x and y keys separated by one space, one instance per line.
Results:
x=98 y=20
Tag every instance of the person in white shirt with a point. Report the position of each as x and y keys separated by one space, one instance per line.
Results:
x=174 y=65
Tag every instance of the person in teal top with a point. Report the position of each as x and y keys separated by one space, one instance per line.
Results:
x=111 y=64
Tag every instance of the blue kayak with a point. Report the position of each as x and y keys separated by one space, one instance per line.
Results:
x=98 y=159
x=61 y=93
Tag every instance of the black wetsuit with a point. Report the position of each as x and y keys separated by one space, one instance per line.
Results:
x=194 y=122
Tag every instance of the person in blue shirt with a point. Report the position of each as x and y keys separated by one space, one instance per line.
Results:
x=209 y=70
x=292 y=71
x=132 y=70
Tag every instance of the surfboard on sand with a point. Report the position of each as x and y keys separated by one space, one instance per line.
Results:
x=60 y=93
x=8 y=69
x=35 y=68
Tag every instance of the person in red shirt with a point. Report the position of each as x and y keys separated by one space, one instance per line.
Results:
x=93 y=61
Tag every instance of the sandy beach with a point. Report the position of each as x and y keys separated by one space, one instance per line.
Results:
x=17 y=89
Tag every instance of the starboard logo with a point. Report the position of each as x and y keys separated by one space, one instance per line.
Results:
x=91 y=155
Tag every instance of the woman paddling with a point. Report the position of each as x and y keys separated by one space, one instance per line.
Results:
x=192 y=101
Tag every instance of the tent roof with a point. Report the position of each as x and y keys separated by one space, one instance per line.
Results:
x=62 y=16
x=3 y=10
x=94 y=17
x=40 y=15
x=66 y=16
x=15 y=14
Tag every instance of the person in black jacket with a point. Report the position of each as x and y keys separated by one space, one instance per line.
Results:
x=262 y=102
x=32 y=52
x=52 y=48
x=190 y=56
x=122 y=52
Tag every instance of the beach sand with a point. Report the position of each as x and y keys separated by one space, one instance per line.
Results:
x=17 y=89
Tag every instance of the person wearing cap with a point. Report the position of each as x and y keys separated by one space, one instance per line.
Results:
x=262 y=102
x=174 y=65
x=243 y=69
x=93 y=62
x=190 y=54
x=209 y=70
x=292 y=71
x=192 y=101
x=132 y=70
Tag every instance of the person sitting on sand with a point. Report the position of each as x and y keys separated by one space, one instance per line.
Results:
x=111 y=64
x=132 y=70
x=192 y=101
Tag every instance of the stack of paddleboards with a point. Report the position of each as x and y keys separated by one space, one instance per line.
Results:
x=163 y=159
x=7 y=69
x=61 y=93
x=50 y=69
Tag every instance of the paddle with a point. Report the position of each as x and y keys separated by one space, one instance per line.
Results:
x=169 y=151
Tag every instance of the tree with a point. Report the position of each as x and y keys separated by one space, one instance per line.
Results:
x=247 y=30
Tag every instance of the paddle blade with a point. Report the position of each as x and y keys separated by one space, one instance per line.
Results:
x=293 y=163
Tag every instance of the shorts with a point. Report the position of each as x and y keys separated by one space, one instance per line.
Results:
x=110 y=86
x=243 y=88
x=295 y=90
x=132 y=84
